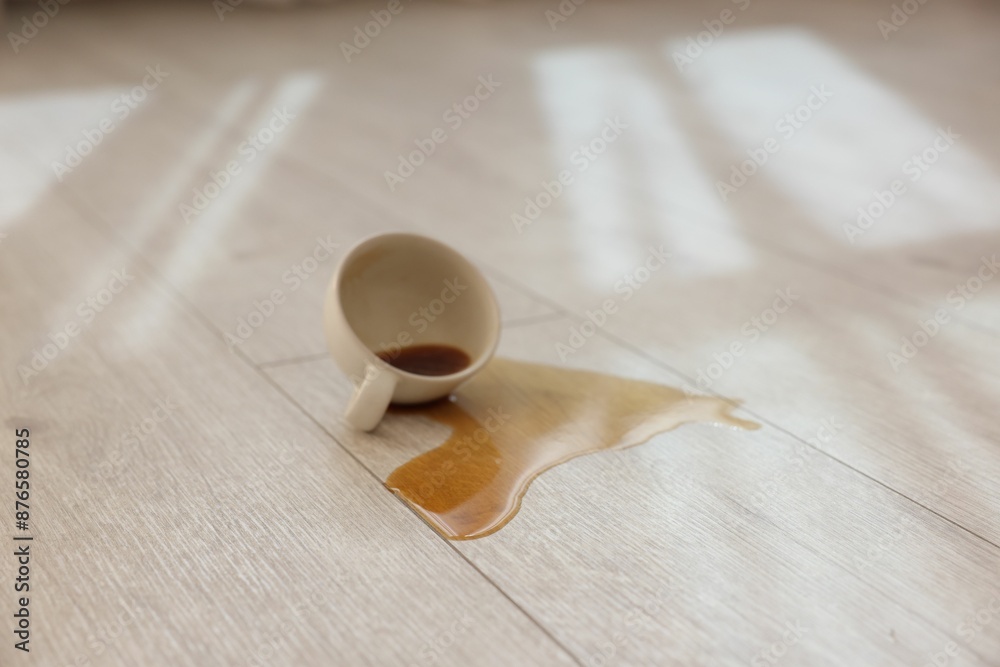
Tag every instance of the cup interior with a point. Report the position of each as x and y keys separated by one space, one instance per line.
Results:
x=401 y=290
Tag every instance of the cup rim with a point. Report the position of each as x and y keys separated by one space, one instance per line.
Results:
x=461 y=375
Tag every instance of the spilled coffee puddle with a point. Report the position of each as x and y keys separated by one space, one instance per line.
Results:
x=515 y=420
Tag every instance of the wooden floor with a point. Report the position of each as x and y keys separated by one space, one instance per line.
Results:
x=197 y=501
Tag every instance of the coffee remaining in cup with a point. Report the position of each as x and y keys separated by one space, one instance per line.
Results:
x=428 y=359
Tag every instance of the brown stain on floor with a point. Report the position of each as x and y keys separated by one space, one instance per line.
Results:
x=515 y=420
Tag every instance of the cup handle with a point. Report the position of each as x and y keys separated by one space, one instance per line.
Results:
x=371 y=399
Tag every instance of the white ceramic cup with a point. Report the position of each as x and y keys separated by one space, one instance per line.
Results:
x=394 y=291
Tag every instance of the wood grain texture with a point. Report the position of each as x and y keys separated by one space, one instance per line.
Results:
x=737 y=530
x=921 y=427
x=863 y=516
x=246 y=244
x=186 y=513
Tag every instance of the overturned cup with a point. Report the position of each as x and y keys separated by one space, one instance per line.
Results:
x=408 y=319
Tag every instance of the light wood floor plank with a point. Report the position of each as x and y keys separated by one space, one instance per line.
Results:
x=705 y=528
x=184 y=508
x=920 y=425
x=697 y=548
